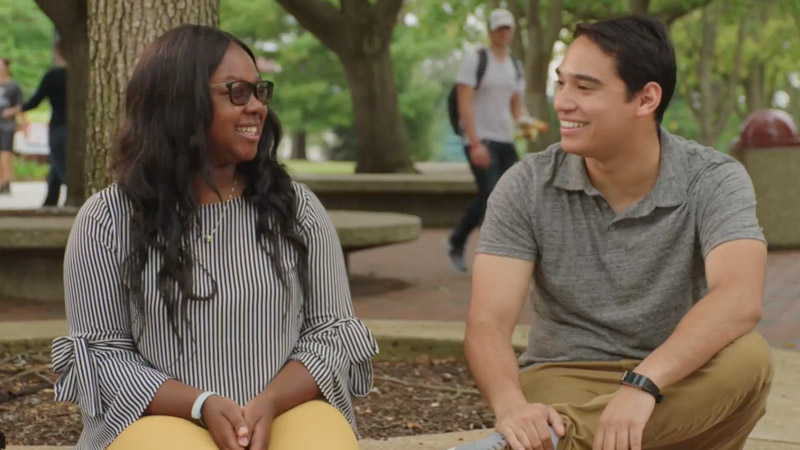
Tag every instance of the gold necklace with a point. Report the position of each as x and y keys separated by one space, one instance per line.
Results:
x=207 y=237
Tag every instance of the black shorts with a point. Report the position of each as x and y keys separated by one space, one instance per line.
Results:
x=6 y=140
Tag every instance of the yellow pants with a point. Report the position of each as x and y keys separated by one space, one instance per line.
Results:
x=311 y=426
x=714 y=408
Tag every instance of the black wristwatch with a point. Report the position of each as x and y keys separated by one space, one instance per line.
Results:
x=633 y=379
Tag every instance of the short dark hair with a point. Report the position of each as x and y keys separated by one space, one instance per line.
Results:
x=643 y=52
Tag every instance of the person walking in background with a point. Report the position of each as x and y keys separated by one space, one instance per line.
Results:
x=54 y=87
x=489 y=89
x=10 y=99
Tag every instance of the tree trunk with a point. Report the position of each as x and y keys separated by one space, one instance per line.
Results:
x=299 y=145
x=717 y=99
x=756 y=98
x=794 y=99
x=518 y=50
x=69 y=18
x=381 y=140
x=359 y=32
x=707 y=99
x=640 y=7
x=541 y=38
x=118 y=32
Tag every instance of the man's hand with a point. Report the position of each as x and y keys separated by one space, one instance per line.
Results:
x=259 y=414
x=622 y=422
x=479 y=155
x=525 y=426
x=225 y=421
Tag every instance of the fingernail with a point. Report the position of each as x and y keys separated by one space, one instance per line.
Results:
x=243 y=441
x=242 y=430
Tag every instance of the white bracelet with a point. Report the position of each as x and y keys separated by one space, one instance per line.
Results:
x=197 y=406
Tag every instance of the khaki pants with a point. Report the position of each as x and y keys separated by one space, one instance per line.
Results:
x=714 y=408
x=311 y=426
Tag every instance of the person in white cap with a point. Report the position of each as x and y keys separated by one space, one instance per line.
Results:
x=489 y=87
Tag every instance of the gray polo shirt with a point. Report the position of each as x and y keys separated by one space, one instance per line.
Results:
x=613 y=286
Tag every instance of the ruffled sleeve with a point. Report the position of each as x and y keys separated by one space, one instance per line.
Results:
x=334 y=345
x=98 y=364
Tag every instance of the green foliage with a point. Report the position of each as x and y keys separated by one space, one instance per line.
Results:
x=771 y=40
x=310 y=88
x=26 y=39
x=30 y=170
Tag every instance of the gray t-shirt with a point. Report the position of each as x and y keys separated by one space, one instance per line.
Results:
x=492 y=100
x=614 y=286
x=10 y=95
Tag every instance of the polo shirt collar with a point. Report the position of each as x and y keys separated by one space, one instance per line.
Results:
x=669 y=190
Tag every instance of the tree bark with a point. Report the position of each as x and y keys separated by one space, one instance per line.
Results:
x=717 y=99
x=754 y=86
x=118 y=32
x=640 y=7
x=69 y=17
x=518 y=50
x=299 y=145
x=541 y=37
x=794 y=98
x=360 y=33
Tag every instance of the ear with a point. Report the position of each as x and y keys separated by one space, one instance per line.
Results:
x=648 y=99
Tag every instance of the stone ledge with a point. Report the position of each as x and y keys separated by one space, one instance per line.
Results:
x=390 y=183
x=356 y=229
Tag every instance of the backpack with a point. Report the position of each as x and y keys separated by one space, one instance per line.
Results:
x=452 y=97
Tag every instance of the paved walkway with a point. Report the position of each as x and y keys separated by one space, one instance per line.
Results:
x=27 y=195
x=413 y=281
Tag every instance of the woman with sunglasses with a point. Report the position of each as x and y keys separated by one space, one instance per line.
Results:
x=206 y=292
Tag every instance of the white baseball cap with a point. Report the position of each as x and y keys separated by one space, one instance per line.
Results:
x=500 y=18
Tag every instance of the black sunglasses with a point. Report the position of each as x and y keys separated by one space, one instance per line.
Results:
x=239 y=91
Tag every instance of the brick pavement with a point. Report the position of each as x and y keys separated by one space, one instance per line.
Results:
x=434 y=292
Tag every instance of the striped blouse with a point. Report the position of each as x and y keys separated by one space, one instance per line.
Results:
x=112 y=363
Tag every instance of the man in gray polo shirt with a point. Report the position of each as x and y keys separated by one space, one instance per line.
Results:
x=647 y=263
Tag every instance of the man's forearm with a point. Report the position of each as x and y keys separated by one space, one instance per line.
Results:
x=518 y=110
x=715 y=321
x=467 y=116
x=493 y=365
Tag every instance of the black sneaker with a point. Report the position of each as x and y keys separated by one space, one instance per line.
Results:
x=5 y=189
x=456 y=255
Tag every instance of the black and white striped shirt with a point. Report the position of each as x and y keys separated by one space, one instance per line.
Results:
x=234 y=344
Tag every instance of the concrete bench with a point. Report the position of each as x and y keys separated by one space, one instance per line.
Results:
x=32 y=244
x=439 y=199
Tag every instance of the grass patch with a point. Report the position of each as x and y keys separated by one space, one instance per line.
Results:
x=30 y=170
x=296 y=166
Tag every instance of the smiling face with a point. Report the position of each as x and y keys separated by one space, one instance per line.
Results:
x=594 y=108
x=235 y=130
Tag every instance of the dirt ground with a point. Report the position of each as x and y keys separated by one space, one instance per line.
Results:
x=419 y=397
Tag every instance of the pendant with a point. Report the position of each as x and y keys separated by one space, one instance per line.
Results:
x=208 y=238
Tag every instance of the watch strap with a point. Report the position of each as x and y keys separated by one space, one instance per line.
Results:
x=639 y=381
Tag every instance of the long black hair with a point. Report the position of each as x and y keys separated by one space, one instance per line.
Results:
x=163 y=147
